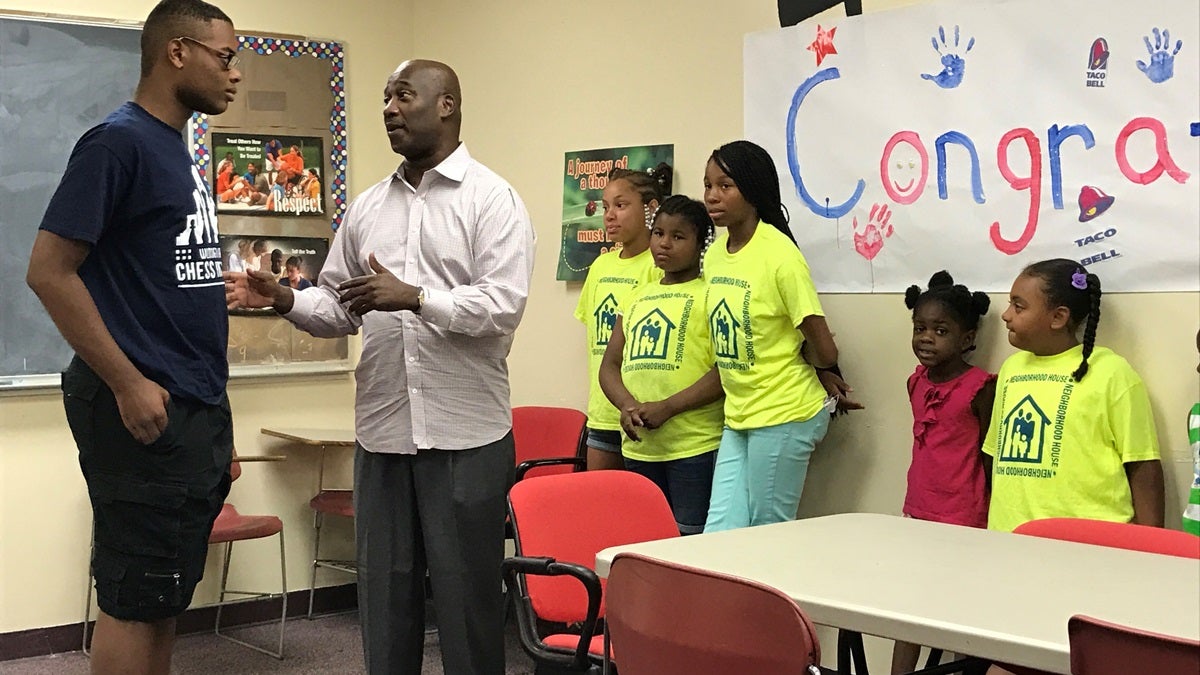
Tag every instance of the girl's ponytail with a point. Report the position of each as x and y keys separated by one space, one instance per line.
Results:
x=1093 y=320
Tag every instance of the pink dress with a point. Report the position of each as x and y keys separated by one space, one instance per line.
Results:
x=946 y=481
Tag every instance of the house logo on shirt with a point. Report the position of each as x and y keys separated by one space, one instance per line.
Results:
x=606 y=318
x=650 y=337
x=724 y=326
x=197 y=251
x=1023 y=434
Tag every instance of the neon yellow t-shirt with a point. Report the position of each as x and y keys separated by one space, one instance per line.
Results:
x=667 y=349
x=1061 y=446
x=757 y=298
x=609 y=281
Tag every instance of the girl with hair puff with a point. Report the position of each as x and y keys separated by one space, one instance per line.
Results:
x=952 y=407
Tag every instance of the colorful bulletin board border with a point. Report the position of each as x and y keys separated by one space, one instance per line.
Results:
x=338 y=155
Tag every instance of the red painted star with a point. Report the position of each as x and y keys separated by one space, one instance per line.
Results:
x=823 y=45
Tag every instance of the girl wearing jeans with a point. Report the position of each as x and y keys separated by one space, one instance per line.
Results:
x=770 y=337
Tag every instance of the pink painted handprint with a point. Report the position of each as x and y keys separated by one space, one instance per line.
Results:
x=869 y=242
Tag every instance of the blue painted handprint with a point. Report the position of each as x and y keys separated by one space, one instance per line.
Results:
x=1162 y=64
x=953 y=66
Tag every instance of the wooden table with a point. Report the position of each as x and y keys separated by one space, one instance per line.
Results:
x=322 y=438
x=308 y=436
x=989 y=594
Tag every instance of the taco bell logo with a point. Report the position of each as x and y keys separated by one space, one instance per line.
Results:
x=1097 y=67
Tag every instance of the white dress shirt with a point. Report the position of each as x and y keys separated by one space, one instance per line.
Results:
x=438 y=378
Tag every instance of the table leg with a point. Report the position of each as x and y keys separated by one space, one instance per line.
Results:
x=850 y=647
x=321 y=472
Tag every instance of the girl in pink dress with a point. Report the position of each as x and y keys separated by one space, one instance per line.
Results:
x=952 y=404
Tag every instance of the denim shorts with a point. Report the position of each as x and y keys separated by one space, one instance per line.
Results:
x=153 y=506
x=687 y=485
x=604 y=440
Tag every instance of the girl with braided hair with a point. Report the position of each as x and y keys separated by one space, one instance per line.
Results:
x=952 y=407
x=770 y=338
x=1072 y=433
x=658 y=368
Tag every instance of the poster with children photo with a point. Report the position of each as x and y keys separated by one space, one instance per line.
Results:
x=294 y=261
x=268 y=174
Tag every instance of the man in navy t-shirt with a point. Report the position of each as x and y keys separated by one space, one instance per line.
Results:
x=128 y=265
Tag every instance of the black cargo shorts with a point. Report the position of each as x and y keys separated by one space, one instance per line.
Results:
x=153 y=505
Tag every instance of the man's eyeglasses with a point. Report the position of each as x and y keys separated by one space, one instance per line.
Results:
x=228 y=59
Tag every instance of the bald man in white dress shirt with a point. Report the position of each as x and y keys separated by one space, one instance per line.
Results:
x=434 y=263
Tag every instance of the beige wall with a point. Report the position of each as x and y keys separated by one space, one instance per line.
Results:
x=44 y=515
x=542 y=77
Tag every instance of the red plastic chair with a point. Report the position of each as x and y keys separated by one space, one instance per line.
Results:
x=561 y=522
x=1102 y=648
x=231 y=526
x=670 y=619
x=333 y=503
x=1128 y=536
x=549 y=440
x=1115 y=535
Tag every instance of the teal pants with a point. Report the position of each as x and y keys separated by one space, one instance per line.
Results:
x=759 y=474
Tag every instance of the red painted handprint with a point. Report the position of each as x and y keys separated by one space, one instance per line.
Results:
x=869 y=242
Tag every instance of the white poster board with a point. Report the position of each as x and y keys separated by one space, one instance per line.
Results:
x=980 y=137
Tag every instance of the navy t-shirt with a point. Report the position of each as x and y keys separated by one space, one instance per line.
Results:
x=132 y=191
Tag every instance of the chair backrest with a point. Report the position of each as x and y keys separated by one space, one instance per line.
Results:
x=1102 y=648
x=544 y=431
x=670 y=619
x=1115 y=535
x=573 y=516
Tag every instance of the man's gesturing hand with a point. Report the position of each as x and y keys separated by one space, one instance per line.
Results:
x=380 y=291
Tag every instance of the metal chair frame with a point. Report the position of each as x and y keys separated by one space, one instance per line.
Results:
x=339 y=564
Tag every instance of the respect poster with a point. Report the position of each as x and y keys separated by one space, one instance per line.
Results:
x=584 y=177
x=268 y=174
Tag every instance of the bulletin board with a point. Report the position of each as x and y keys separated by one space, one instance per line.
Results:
x=292 y=90
x=60 y=76
x=979 y=137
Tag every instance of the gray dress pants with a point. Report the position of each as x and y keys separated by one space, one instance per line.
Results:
x=441 y=511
